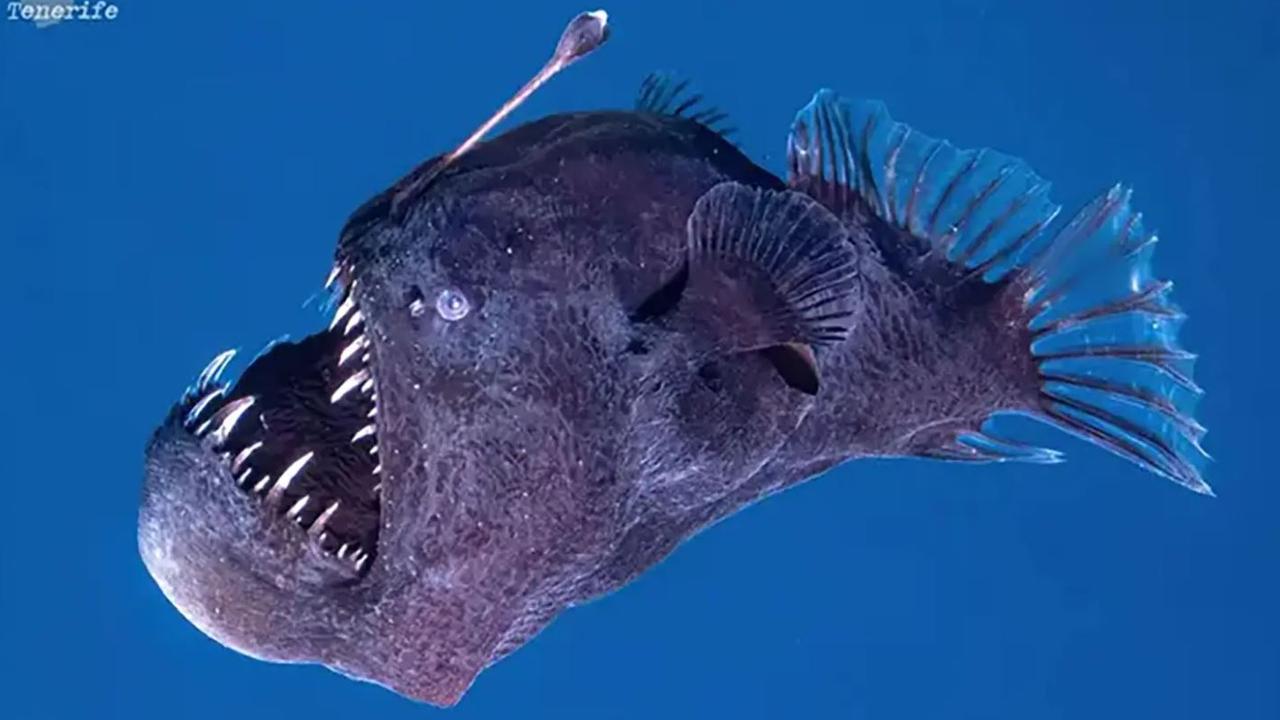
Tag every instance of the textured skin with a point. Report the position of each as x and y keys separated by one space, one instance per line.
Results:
x=546 y=449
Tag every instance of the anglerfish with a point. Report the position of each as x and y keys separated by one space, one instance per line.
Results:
x=556 y=354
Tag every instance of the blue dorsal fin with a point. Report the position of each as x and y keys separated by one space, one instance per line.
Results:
x=664 y=93
x=973 y=210
x=1099 y=328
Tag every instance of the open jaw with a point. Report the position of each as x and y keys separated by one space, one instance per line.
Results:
x=297 y=432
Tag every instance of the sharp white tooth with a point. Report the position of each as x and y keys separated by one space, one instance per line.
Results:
x=214 y=369
x=287 y=477
x=360 y=563
x=363 y=432
x=356 y=318
x=350 y=350
x=230 y=415
x=244 y=455
x=202 y=404
x=333 y=275
x=372 y=411
x=324 y=537
x=262 y=484
x=365 y=357
x=367 y=386
x=298 y=506
x=244 y=477
x=349 y=384
x=317 y=527
x=377 y=469
x=373 y=450
x=342 y=551
x=377 y=489
x=343 y=308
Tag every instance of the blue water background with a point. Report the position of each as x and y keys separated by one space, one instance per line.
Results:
x=171 y=184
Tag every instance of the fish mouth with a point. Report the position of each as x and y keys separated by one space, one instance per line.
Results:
x=297 y=432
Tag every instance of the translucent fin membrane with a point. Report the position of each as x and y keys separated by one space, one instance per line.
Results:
x=1105 y=336
x=985 y=445
x=1103 y=331
x=976 y=209
x=666 y=94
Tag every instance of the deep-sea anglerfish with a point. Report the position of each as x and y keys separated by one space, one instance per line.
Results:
x=556 y=354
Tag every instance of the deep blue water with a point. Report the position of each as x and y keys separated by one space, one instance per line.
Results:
x=171 y=184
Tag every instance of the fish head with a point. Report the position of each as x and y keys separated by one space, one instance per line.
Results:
x=459 y=438
x=360 y=491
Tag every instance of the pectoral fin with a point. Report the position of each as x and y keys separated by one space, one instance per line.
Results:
x=769 y=268
x=773 y=272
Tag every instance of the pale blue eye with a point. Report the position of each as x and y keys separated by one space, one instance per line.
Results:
x=452 y=305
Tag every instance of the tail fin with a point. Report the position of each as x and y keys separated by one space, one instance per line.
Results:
x=1105 y=340
x=1102 y=330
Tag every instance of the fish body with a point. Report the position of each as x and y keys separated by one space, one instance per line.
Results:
x=557 y=356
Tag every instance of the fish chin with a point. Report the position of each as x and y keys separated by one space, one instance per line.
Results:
x=261 y=502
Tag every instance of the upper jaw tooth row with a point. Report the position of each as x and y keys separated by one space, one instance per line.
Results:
x=361 y=378
x=347 y=307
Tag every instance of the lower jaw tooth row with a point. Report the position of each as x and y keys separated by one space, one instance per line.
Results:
x=199 y=407
x=224 y=421
x=357 y=556
x=243 y=455
x=296 y=508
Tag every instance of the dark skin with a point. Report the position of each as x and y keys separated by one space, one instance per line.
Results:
x=589 y=422
x=518 y=444
x=560 y=395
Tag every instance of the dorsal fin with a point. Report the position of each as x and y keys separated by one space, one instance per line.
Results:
x=964 y=212
x=1080 y=304
x=666 y=94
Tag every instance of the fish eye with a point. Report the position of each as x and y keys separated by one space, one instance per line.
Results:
x=452 y=305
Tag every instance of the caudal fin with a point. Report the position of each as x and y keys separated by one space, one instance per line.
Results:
x=1100 y=329
x=1105 y=339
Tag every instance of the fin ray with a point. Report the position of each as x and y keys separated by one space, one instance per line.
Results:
x=797 y=250
x=1100 y=330
x=666 y=94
